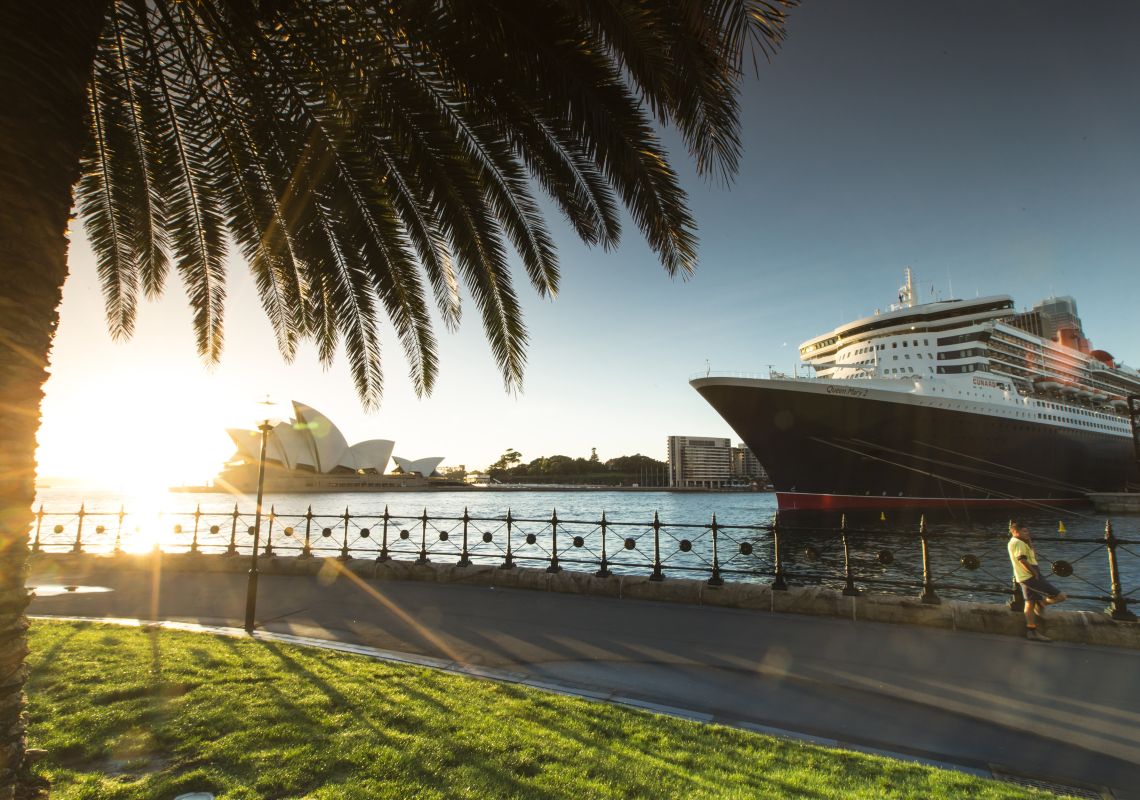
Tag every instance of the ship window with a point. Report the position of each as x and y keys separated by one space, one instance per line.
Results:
x=925 y=343
x=894 y=344
x=904 y=343
x=895 y=358
x=916 y=342
x=908 y=356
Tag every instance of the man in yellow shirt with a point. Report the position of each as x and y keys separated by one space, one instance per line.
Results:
x=1038 y=592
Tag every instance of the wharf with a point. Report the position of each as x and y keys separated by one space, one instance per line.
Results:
x=1116 y=502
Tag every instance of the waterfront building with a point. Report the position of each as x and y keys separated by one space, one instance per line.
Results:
x=745 y=465
x=699 y=462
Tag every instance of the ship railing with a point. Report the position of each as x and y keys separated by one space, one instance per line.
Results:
x=932 y=562
x=771 y=374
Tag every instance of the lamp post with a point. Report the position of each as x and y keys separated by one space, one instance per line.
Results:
x=251 y=587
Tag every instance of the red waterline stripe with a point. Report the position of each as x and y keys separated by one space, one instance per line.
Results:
x=797 y=501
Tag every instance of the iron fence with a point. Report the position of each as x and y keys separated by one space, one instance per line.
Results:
x=850 y=558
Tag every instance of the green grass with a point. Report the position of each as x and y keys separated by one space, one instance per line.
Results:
x=131 y=713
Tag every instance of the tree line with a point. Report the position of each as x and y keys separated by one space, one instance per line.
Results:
x=620 y=471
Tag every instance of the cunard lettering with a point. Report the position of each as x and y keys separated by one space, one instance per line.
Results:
x=847 y=391
x=990 y=383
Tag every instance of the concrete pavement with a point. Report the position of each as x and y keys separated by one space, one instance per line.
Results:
x=1062 y=713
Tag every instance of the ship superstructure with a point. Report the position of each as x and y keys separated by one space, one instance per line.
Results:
x=955 y=401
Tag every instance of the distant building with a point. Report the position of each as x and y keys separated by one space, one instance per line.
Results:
x=699 y=462
x=745 y=465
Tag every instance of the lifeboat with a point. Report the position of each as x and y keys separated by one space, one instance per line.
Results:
x=1044 y=384
x=1118 y=402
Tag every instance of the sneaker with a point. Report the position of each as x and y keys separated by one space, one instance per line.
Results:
x=1035 y=635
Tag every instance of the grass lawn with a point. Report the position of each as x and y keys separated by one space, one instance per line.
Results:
x=132 y=713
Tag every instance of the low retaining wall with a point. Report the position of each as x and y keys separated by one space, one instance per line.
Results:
x=1116 y=502
x=1086 y=627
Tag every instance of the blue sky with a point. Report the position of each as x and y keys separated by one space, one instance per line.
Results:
x=991 y=147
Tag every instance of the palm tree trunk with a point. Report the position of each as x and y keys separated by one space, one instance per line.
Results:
x=46 y=55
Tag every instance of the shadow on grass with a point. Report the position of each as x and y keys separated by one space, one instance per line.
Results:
x=530 y=717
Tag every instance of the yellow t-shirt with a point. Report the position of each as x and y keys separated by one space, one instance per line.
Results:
x=1017 y=549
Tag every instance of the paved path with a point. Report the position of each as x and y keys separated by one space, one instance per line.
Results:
x=1059 y=712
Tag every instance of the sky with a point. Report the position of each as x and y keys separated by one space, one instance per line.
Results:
x=990 y=147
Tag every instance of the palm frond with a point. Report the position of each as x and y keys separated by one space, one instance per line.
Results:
x=358 y=153
x=196 y=223
x=107 y=226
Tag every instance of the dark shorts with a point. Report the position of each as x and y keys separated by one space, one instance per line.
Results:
x=1037 y=589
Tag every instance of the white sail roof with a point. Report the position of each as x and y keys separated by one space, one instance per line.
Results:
x=424 y=466
x=373 y=454
x=248 y=442
x=294 y=444
x=327 y=442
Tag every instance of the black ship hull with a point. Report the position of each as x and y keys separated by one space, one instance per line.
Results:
x=829 y=445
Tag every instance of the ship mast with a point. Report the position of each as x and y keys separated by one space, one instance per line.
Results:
x=906 y=291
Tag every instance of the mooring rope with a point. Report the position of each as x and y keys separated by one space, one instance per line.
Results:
x=1003 y=495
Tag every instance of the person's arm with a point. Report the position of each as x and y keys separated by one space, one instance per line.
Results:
x=1036 y=573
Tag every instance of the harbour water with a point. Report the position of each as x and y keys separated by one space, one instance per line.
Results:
x=884 y=549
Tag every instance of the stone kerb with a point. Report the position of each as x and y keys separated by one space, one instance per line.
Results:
x=1074 y=626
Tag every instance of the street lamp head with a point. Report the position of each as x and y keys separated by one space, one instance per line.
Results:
x=267 y=411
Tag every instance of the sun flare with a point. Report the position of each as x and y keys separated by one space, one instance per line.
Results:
x=131 y=442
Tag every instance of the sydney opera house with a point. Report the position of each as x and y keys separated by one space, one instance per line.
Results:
x=309 y=454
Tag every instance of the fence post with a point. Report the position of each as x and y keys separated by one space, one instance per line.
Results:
x=269 y=531
x=464 y=557
x=715 y=580
x=39 y=523
x=78 y=547
x=779 y=583
x=119 y=530
x=232 y=549
x=384 y=538
x=307 y=550
x=1119 y=607
x=508 y=562
x=344 y=556
x=849 y=589
x=928 y=596
x=657 y=575
x=604 y=572
x=554 y=543
x=197 y=519
x=423 y=559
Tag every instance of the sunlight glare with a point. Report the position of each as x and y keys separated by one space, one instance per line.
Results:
x=145 y=527
x=137 y=440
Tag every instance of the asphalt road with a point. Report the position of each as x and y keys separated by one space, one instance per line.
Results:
x=1064 y=713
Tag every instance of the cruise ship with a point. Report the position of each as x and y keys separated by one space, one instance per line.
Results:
x=946 y=403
